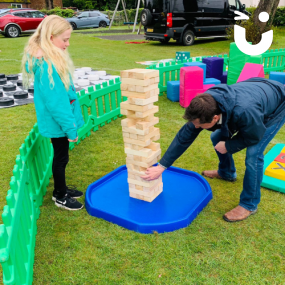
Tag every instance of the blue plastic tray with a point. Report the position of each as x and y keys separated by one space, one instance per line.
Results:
x=185 y=194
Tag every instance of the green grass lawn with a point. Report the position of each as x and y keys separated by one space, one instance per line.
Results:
x=75 y=248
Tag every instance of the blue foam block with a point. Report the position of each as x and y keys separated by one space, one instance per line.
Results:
x=214 y=67
x=212 y=81
x=173 y=90
x=277 y=76
x=185 y=194
x=200 y=64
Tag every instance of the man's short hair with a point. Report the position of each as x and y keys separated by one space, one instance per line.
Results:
x=203 y=107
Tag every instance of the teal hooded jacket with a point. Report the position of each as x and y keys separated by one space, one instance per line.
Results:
x=58 y=111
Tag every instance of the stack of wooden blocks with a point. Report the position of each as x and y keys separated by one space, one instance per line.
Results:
x=139 y=133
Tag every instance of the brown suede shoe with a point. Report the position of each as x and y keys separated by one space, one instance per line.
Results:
x=238 y=214
x=214 y=174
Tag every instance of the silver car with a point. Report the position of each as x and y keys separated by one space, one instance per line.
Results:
x=89 y=19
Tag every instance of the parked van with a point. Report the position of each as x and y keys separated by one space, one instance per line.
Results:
x=185 y=20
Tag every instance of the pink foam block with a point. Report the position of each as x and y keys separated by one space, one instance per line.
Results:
x=188 y=95
x=191 y=77
x=207 y=86
x=251 y=70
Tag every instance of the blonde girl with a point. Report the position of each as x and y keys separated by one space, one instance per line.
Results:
x=46 y=62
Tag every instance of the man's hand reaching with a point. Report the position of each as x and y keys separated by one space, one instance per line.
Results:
x=153 y=173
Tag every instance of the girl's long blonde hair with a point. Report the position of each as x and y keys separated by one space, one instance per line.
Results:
x=41 y=40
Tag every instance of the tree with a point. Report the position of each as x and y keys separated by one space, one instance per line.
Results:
x=269 y=6
x=49 y=4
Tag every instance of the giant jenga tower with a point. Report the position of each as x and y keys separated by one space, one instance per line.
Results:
x=139 y=133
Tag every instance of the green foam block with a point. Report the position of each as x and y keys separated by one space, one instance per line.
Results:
x=237 y=60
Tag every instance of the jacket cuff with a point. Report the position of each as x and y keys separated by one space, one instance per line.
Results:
x=164 y=163
x=72 y=135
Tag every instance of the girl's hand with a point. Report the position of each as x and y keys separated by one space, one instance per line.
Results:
x=153 y=173
x=73 y=140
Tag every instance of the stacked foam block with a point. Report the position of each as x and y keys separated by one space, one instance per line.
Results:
x=139 y=133
x=191 y=84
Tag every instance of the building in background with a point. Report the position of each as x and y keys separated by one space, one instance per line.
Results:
x=34 y=4
x=254 y=3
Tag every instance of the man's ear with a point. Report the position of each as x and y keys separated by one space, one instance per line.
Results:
x=216 y=118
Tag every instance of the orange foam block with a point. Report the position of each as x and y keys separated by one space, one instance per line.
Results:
x=251 y=70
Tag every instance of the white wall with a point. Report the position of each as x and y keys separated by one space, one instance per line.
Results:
x=254 y=3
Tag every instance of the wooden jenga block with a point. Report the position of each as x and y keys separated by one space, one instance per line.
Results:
x=145 y=152
x=142 y=163
x=128 y=122
x=137 y=82
x=156 y=138
x=143 y=89
x=131 y=107
x=128 y=145
x=150 y=199
x=133 y=94
x=139 y=73
x=133 y=130
x=148 y=136
x=130 y=156
x=146 y=113
x=137 y=142
x=126 y=135
x=143 y=102
x=146 y=183
x=148 y=194
x=154 y=146
x=136 y=147
x=134 y=136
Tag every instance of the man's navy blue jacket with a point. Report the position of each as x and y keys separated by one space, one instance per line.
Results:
x=248 y=108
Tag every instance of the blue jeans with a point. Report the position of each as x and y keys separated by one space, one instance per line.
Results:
x=254 y=161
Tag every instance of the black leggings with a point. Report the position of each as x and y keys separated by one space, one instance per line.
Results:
x=60 y=160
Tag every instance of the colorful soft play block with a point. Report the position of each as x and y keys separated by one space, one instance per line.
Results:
x=191 y=77
x=214 y=67
x=182 y=56
x=237 y=60
x=199 y=64
x=269 y=181
x=251 y=70
x=173 y=90
x=280 y=158
x=255 y=59
x=212 y=81
x=276 y=170
x=188 y=95
x=224 y=77
x=277 y=76
x=207 y=86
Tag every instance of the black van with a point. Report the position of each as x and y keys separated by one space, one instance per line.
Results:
x=183 y=20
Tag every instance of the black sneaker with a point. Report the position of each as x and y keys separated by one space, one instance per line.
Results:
x=72 y=192
x=68 y=203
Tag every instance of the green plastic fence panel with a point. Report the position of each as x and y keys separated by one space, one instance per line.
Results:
x=37 y=153
x=167 y=71
x=17 y=234
x=99 y=106
x=274 y=60
x=27 y=187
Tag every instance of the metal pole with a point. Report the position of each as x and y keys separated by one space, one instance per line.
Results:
x=137 y=12
x=125 y=12
x=114 y=14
